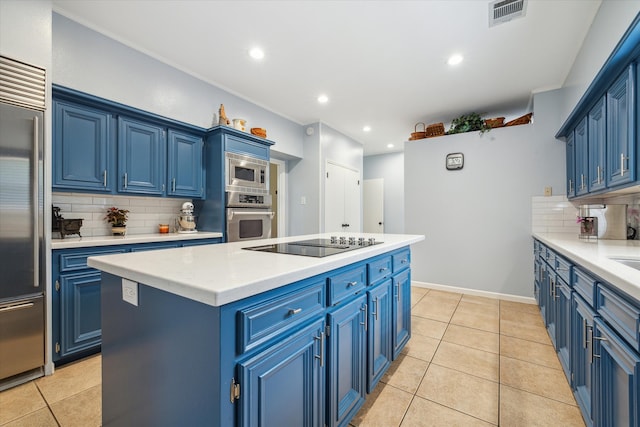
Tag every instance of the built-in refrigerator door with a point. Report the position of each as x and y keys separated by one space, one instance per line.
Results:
x=20 y=202
x=21 y=336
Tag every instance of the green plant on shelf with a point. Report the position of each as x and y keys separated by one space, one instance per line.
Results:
x=468 y=123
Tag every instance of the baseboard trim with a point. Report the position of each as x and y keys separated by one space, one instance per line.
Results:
x=476 y=292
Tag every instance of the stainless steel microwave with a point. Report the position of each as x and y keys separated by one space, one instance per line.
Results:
x=246 y=172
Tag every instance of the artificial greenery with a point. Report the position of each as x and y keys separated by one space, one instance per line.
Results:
x=468 y=123
x=117 y=217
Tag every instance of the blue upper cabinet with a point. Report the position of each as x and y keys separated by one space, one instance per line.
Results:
x=82 y=148
x=582 y=158
x=571 y=166
x=141 y=157
x=184 y=163
x=597 y=138
x=620 y=129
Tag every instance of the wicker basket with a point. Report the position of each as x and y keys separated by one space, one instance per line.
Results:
x=262 y=133
x=498 y=122
x=435 y=129
x=520 y=120
x=418 y=134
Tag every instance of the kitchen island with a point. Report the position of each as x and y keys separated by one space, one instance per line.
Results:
x=222 y=336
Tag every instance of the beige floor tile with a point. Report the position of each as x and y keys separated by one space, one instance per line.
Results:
x=533 y=319
x=436 y=293
x=19 y=401
x=388 y=409
x=40 y=418
x=487 y=322
x=71 y=379
x=421 y=347
x=520 y=408
x=424 y=413
x=535 y=379
x=80 y=410
x=472 y=307
x=440 y=309
x=427 y=327
x=475 y=362
x=524 y=331
x=368 y=403
x=417 y=294
x=480 y=300
x=529 y=351
x=466 y=393
x=518 y=306
x=405 y=373
x=474 y=338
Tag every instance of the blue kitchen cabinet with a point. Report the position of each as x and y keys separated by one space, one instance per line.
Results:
x=571 y=165
x=82 y=148
x=621 y=122
x=617 y=382
x=581 y=158
x=346 y=384
x=563 y=324
x=401 y=309
x=284 y=384
x=379 y=353
x=184 y=164
x=597 y=142
x=582 y=317
x=141 y=157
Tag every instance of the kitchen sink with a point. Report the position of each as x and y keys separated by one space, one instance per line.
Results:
x=629 y=262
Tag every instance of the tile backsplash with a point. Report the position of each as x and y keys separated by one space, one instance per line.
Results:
x=145 y=213
x=553 y=214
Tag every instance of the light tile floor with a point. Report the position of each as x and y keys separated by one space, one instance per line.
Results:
x=471 y=361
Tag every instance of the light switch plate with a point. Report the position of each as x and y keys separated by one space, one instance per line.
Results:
x=130 y=292
x=547 y=191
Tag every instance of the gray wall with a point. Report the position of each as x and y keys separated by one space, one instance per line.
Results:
x=390 y=167
x=477 y=221
x=88 y=61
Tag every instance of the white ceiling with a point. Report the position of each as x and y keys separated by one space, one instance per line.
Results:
x=382 y=63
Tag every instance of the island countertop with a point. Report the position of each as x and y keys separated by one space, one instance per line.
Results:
x=218 y=274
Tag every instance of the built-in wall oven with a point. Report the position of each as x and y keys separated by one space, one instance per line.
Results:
x=246 y=173
x=248 y=216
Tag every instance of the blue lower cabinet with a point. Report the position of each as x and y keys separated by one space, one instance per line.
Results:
x=563 y=325
x=346 y=361
x=284 y=385
x=582 y=317
x=379 y=333
x=401 y=311
x=617 y=379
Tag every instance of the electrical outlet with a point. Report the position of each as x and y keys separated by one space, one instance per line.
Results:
x=547 y=191
x=130 y=292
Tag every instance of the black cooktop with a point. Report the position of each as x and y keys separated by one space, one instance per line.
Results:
x=314 y=247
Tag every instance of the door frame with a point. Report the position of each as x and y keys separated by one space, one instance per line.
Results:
x=281 y=188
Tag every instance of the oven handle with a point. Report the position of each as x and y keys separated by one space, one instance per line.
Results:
x=231 y=214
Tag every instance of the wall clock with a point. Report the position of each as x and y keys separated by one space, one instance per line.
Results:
x=455 y=161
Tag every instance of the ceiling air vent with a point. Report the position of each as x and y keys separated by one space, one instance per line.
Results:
x=22 y=84
x=501 y=11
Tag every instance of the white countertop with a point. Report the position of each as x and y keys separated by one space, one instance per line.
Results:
x=222 y=273
x=594 y=256
x=86 y=242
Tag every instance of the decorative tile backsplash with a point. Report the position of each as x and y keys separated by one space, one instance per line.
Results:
x=553 y=214
x=145 y=212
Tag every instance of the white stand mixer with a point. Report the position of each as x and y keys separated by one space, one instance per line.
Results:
x=186 y=221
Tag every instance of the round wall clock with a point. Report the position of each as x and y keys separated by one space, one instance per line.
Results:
x=455 y=161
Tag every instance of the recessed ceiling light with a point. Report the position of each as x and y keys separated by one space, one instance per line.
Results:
x=455 y=59
x=366 y=129
x=256 y=53
x=323 y=99
x=389 y=145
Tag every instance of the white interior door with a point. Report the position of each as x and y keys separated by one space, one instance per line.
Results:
x=342 y=206
x=352 y=200
x=373 y=212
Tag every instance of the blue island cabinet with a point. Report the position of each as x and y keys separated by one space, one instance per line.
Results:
x=297 y=355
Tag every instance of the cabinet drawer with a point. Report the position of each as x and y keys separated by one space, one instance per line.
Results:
x=261 y=322
x=401 y=260
x=78 y=260
x=379 y=269
x=155 y=246
x=622 y=314
x=563 y=268
x=549 y=256
x=584 y=284
x=346 y=283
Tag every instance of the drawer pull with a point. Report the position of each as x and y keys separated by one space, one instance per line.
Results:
x=352 y=284
x=364 y=309
x=293 y=311
x=383 y=269
x=321 y=355
x=562 y=269
x=404 y=261
x=593 y=354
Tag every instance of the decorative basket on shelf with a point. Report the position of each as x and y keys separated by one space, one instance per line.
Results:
x=418 y=134
x=498 y=122
x=523 y=120
x=435 y=129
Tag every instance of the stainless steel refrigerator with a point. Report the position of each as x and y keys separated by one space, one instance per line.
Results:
x=22 y=277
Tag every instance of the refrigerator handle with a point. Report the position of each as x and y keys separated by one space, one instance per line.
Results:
x=35 y=195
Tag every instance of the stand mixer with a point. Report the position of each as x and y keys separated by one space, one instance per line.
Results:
x=186 y=220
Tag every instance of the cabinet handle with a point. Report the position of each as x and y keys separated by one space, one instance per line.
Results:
x=593 y=346
x=582 y=181
x=125 y=180
x=570 y=186
x=104 y=178
x=598 y=173
x=35 y=201
x=364 y=308
x=293 y=311
x=383 y=269
x=587 y=342
x=555 y=290
x=16 y=307
x=351 y=284
x=404 y=261
x=173 y=185
x=321 y=355
x=375 y=313
x=622 y=159
x=562 y=269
